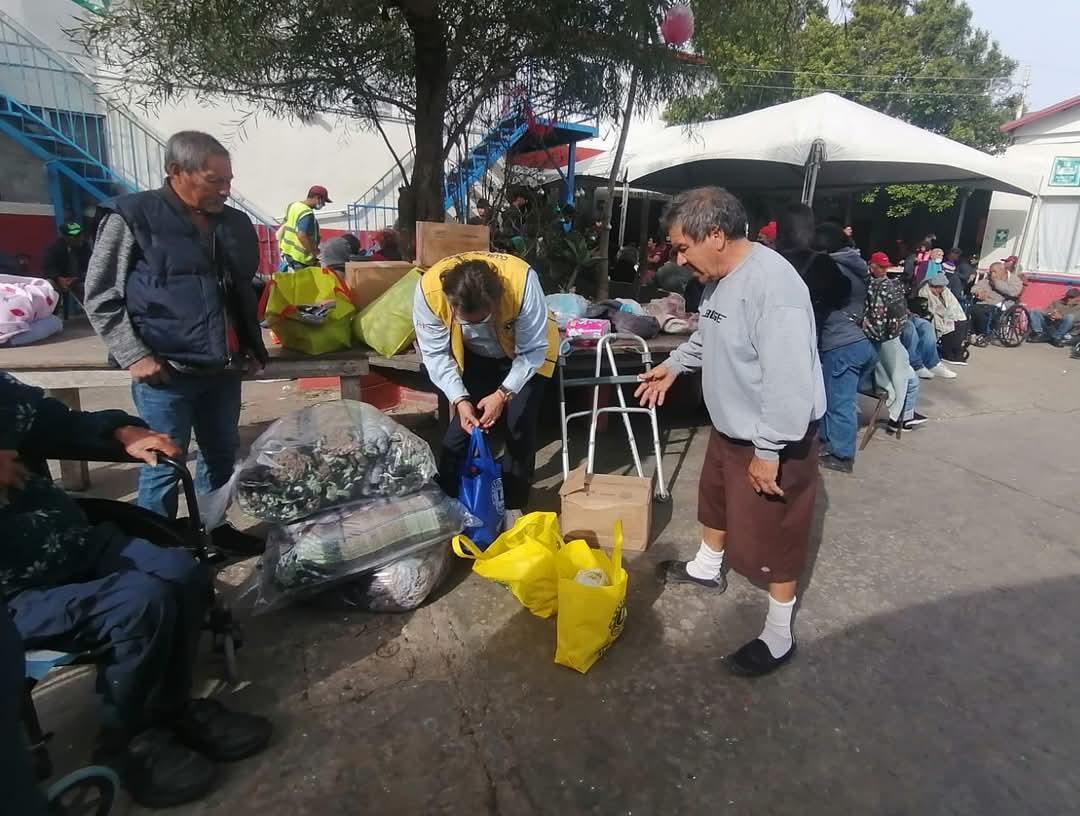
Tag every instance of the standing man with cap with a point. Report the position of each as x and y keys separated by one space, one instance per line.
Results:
x=761 y=377
x=298 y=237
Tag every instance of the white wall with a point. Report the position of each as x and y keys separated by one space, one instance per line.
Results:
x=275 y=160
x=1035 y=146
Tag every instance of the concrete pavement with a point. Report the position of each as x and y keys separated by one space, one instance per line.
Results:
x=936 y=674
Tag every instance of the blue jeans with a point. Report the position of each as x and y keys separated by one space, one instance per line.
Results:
x=844 y=368
x=920 y=340
x=208 y=405
x=1053 y=329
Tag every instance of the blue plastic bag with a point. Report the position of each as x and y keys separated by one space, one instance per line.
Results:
x=481 y=491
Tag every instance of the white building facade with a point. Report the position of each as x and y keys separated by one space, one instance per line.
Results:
x=1044 y=232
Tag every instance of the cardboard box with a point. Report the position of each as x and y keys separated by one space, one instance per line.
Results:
x=369 y=279
x=435 y=241
x=591 y=506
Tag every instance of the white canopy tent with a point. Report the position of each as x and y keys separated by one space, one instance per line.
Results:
x=820 y=142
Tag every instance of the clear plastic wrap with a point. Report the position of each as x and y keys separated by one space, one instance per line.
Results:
x=327 y=455
x=308 y=557
x=400 y=586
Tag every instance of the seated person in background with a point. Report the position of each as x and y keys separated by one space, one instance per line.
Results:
x=489 y=344
x=336 y=252
x=885 y=316
x=960 y=273
x=948 y=317
x=66 y=260
x=990 y=292
x=72 y=585
x=1054 y=323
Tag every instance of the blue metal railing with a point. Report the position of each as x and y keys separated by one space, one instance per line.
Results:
x=51 y=107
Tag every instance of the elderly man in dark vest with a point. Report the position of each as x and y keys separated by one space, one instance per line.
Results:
x=169 y=289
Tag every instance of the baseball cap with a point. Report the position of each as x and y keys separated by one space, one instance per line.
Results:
x=880 y=259
x=320 y=191
x=768 y=231
x=1010 y=259
x=1072 y=292
x=71 y=229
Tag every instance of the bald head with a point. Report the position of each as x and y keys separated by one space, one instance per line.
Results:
x=997 y=269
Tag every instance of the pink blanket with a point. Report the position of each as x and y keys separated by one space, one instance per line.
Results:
x=23 y=301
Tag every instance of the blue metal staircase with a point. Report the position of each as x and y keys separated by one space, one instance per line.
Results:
x=92 y=146
x=522 y=116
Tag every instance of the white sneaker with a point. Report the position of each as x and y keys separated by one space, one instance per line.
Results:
x=941 y=370
x=926 y=373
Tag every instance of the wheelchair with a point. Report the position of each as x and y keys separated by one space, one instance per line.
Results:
x=1009 y=324
x=90 y=791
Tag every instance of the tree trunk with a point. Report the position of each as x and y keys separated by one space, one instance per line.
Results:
x=603 y=268
x=432 y=84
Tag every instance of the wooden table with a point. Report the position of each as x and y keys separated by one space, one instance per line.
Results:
x=76 y=359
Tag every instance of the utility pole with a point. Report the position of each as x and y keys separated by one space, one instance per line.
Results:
x=1021 y=108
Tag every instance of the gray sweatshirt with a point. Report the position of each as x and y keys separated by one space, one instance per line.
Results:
x=757 y=349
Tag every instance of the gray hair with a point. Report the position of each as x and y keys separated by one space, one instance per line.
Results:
x=699 y=211
x=191 y=149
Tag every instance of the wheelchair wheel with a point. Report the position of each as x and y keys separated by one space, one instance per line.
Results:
x=1013 y=327
x=87 y=792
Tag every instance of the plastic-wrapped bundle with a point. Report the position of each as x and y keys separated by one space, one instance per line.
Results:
x=329 y=454
x=308 y=557
x=398 y=587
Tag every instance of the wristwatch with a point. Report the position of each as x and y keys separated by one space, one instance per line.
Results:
x=508 y=395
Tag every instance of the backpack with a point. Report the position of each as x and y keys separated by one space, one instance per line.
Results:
x=886 y=309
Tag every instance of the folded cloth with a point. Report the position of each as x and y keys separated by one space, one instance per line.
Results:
x=671 y=314
x=644 y=326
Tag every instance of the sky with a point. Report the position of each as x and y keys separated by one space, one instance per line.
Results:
x=1044 y=34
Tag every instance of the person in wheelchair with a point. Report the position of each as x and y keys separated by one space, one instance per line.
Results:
x=71 y=585
x=950 y=321
x=989 y=294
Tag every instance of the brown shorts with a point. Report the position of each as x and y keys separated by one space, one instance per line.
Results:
x=767 y=537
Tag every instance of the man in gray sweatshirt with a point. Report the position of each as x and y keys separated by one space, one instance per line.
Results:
x=757 y=351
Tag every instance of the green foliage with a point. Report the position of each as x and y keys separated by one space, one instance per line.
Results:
x=450 y=67
x=905 y=198
x=921 y=61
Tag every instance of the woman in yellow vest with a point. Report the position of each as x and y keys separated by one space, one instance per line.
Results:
x=489 y=344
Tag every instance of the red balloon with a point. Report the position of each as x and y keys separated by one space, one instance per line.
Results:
x=678 y=25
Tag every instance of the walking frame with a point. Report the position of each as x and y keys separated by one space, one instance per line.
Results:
x=604 y=348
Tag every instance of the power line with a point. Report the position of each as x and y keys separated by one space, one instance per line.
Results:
x=849 y=90
x=868 y=76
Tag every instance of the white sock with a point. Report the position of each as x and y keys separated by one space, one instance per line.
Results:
x=777 y=631
x=706 y=564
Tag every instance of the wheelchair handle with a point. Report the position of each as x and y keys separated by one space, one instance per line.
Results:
x=188 y=486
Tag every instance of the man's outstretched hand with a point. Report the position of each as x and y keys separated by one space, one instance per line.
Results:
x=654 y=386
x=144 y=444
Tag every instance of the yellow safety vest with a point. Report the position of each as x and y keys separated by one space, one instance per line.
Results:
x=289 y=243
x=514 y=273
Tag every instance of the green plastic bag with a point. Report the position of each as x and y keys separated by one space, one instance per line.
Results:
x=386 y=324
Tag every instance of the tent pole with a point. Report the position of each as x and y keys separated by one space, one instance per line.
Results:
x=964 y=196
x=625 y=207
x=813 y=183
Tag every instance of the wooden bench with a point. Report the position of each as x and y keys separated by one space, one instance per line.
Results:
x=76 y=359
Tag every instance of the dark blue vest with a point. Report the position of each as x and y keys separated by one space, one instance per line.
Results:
x=181 y=289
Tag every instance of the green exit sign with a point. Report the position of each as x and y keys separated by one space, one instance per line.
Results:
x=1065 y=172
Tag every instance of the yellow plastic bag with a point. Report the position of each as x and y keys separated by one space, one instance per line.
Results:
x=523 y=560
x=386 y=323
x=591 y=617
x=310 y=310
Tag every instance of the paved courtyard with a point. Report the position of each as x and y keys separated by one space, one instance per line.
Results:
x=937 y=669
